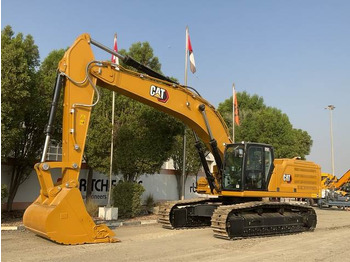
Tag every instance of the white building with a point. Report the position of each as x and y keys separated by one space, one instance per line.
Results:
x=161 y=186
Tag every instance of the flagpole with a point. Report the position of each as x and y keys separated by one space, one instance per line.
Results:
x=184 y=136
x=112 y=148
x=112 y=133
x=233 y=111
x=186 y=56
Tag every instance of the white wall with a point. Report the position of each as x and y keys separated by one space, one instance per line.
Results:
x=162 y=186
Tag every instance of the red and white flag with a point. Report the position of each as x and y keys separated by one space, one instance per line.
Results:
x=190 y=52
x=115 y=59
x=235 y=107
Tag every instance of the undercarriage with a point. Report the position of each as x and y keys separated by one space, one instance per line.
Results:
x=241 y=220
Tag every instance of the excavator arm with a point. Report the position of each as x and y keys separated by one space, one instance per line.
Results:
x=343 y=180
x=59 y=213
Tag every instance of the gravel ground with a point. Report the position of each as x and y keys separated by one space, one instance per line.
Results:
x=329 y=242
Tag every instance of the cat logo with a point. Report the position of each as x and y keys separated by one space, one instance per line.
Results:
x=160 y=93
x=287 y=178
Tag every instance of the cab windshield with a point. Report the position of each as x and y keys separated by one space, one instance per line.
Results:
x=233 y=166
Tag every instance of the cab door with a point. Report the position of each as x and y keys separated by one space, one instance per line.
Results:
x=258 y=167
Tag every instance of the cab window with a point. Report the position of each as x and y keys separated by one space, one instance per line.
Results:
x=233 y=166
x=254 y=173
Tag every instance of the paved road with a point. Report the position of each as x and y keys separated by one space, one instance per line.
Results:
x=329 y=242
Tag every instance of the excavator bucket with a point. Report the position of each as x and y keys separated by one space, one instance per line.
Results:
x=65 y=220
x=62 y=217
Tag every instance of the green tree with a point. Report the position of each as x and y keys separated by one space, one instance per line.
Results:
x=127 y=197
x=247 y=104
x=302 y=143
x=193 y=163
x=23 y=113
x=144 y=141
x=263 y=124
x=97 y=149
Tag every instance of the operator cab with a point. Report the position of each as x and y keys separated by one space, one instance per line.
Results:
x=247 y=166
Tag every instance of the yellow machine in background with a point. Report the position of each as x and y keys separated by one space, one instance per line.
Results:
x=331 y=182
x=343 y=183
x=327 y=180
x=245 y=172
x=335 y=192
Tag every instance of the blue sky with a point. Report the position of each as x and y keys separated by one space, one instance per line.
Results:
x=295 y=54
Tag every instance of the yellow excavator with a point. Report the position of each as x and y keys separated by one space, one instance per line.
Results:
x=335 y=192
x=245 y=173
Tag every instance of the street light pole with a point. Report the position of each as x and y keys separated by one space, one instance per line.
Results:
x=331 y=108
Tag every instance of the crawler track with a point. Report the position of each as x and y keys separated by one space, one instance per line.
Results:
x=239 y=220
x=166 y=213
x=261 y=218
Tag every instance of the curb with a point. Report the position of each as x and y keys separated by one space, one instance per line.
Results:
x=141 y=222
x=12 y=228
x=110 y=224
x=114 y=225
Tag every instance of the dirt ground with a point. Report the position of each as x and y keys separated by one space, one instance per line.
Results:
x=329 y=242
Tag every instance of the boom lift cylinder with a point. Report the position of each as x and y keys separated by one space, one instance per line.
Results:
x=56 y=97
